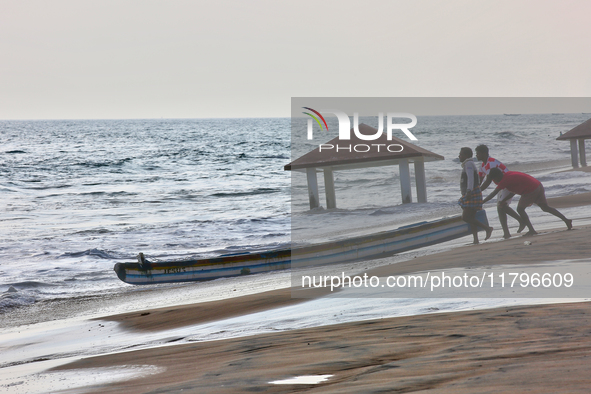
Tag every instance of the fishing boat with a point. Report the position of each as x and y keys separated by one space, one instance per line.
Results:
x=377 y=245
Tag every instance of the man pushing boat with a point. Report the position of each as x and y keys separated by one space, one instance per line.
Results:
x=503 y=208
x=531 y=191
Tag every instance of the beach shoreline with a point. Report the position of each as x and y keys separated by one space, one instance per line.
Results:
x=487 y=350
x=547 y=246
x=357 y=354
x=550 y=245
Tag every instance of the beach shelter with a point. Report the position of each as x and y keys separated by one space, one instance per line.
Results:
x=579 y=134
x=357 y=153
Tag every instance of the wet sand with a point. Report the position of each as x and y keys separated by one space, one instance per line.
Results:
x=168 y=318
x=574 y=200
x=516 y=349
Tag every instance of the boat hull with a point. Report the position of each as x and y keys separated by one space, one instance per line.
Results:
x=371 y=246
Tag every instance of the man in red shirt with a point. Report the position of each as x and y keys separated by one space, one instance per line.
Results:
x=531 y=191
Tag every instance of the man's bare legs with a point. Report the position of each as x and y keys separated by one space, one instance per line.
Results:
x=555 y=212
x=503 y=210
x=545 y=208
x=469 y=216
x=525 y=220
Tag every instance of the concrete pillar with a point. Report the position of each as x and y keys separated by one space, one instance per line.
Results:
x=405 y=181
x=313 y=188
x=420 y=180
x=582 y=153
x=331 y=199
x=574 y=153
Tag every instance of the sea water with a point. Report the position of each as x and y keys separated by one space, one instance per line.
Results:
x=79 y=196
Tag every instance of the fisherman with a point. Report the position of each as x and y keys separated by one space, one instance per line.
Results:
x=503 y=208
x=471 y=200
x=531 y=191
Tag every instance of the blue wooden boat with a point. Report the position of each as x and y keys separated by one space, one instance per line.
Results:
x=377 y=245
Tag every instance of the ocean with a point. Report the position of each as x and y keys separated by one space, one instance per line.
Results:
x=79 y=196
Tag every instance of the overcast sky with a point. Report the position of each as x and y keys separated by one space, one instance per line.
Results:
x=92 y=59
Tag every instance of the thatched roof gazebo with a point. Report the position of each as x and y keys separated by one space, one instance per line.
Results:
x=580 y=133
x=391 y=152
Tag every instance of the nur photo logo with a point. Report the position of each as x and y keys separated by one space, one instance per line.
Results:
x=345 y=130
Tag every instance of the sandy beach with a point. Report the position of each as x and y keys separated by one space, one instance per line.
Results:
x=541 y=348
x=518 y=349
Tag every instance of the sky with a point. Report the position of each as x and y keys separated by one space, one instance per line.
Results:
x=129 y=59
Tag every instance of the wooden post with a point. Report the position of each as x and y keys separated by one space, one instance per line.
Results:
x=582 y=153
x=573 y=153
x=312 y=188
x=405 y=188
x=331 y=199
x=420 y=180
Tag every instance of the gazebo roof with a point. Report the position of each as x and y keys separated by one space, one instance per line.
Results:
x=343 y=159
x=582 y=131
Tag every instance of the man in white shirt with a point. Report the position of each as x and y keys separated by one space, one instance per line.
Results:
x=503 y=208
